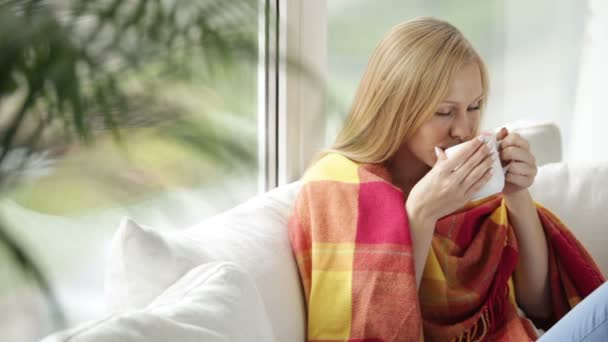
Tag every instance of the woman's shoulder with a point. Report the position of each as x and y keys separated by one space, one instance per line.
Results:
x=338 y=169
x=332 y=167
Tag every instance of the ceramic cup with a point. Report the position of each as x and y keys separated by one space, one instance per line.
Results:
x=497 y=182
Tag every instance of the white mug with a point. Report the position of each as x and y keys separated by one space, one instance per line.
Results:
x=497 y=182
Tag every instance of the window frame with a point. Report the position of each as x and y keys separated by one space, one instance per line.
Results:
x=291 y=88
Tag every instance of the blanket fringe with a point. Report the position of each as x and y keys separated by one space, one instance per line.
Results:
x=471 y=334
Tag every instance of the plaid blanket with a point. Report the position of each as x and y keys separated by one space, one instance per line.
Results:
x=350 y=236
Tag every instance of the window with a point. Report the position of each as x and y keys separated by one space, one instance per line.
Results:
x=189 y=144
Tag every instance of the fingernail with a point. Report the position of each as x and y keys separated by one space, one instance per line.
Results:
x=437 y=151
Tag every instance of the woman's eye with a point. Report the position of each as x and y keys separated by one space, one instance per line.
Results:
x=444 y=114
x=472 y=109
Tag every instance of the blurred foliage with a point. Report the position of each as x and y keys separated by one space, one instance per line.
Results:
x=72 y=71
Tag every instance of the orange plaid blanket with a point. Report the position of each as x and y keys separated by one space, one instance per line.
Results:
x=350 y=236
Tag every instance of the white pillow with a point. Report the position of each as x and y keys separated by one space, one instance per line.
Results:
x=253 y=235
x=578 y=194
x=204 y=305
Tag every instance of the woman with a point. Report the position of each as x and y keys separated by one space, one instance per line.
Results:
x=444 y=268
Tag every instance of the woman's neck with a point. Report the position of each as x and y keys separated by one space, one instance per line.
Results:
x=406 y=170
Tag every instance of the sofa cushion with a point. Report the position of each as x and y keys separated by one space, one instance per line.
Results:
x=578 y=193
x=253 y=235
x=206 y=304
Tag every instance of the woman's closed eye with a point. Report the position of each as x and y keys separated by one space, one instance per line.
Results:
x=445 y=111
x=449 y=113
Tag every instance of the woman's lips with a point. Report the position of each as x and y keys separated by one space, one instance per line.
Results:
x=443 y=147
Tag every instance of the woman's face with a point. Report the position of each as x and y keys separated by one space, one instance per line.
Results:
x=456 y=119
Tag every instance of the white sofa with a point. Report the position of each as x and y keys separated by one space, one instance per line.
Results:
x=233 y=277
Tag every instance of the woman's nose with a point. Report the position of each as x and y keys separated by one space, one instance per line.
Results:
x=461 y=127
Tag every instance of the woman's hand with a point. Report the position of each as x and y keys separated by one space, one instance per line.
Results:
x=447 y=187
x=531 y=278
x=515 y=153
x=451 y=183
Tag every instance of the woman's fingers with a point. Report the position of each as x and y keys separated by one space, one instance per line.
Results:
x=478 y=171
x=478 y=184
x=516 y=153
x=456 y=160
x=519 y=180
x=502 y=133
x=440 y=154
x=522 y=169
x=515 y=139
x=466 y=169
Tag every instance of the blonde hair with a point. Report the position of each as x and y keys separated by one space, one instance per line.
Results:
x=407 y=77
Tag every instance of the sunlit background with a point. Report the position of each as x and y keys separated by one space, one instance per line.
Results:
x=162 y=123
x=546 y=59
